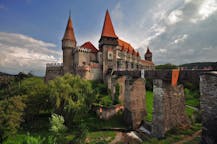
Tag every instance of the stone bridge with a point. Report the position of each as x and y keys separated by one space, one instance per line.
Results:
x=169 y=101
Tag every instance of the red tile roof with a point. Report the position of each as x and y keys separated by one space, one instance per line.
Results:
x=127 y=47
x=108 y=29
x=90 y=46
x=146 y=62
x=69 y=32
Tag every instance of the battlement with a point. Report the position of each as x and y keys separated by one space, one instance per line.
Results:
x=48 y=65
x=82 y=49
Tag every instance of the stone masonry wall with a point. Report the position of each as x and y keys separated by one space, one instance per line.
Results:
x=208 y=103
x=52 y=72
x=135 y=108
x=169 y=107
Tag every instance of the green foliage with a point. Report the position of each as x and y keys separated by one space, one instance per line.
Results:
x=149 y=84
x=166 y=66
x=102 y=94
x=57 y=124
x=11 y=112
x=105 y=101
x=117 y=93
x=33 y=140
x=81 y=134
x=71 y=97
x=94 y=123
x=30 y=139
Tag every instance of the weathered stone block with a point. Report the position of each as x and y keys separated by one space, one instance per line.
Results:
x=169 y=107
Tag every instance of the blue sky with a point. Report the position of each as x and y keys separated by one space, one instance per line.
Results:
x=177 y=31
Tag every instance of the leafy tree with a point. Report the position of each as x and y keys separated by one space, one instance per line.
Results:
x=167 y=66
x=71 y=97
x=37 y=97
x=11 y=112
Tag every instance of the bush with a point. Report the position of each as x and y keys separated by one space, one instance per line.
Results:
x=57 y=124
x=149 y=84
x=11 y=116
x=117 y=93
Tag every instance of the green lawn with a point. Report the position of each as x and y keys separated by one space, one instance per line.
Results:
x=149 y=105
x=192 y=97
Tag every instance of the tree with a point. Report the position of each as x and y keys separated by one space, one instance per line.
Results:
x=167 y=66
x=71 y=97
x=11 y=112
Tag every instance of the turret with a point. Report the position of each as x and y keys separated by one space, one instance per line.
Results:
x=108 y=36
x=68 y=46
x=148 y=55
x=107 y=46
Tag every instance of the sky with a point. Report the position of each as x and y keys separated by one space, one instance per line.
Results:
x=177 y=31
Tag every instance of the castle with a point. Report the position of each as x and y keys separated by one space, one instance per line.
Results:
x=91 y=63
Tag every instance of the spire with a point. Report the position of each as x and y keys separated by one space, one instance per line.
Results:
x=108 y=29
x=69 y=32
x=148 y=51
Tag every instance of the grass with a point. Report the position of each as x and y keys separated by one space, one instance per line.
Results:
x=100 y=137
x=192 y=97
x=94 y=123
x=176 y=134
x=149 y=105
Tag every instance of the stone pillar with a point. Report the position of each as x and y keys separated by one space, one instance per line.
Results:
x=134 y=102
x=208 y=104
x=169 y=107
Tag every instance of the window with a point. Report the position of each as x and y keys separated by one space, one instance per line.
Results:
x=110 y=55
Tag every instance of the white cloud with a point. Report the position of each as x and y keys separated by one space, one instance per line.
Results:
x=180 y=39
x=206 y=9
x=175 y=17
x=23 y=53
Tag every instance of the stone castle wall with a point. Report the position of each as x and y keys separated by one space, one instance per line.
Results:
x=53 y=70
x=169 y=107
x=208 y=103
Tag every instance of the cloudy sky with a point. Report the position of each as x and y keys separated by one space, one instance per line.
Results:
x=177 y=31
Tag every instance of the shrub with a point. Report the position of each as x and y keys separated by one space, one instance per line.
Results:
x=57 y=124
x=117 y=93
x=11 y=112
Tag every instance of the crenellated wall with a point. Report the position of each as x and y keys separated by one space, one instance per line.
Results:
x=53 y=70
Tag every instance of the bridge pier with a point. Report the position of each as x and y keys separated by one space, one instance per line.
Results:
x=208 y=103
x=169 y=107
x=134 y=102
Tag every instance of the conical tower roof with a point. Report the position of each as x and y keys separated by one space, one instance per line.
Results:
x=69 y=32
x=148 y=51
x=108 y=29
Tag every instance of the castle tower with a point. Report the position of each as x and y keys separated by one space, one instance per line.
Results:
x=148 y=55
x=68 y=45
x=107 y=45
